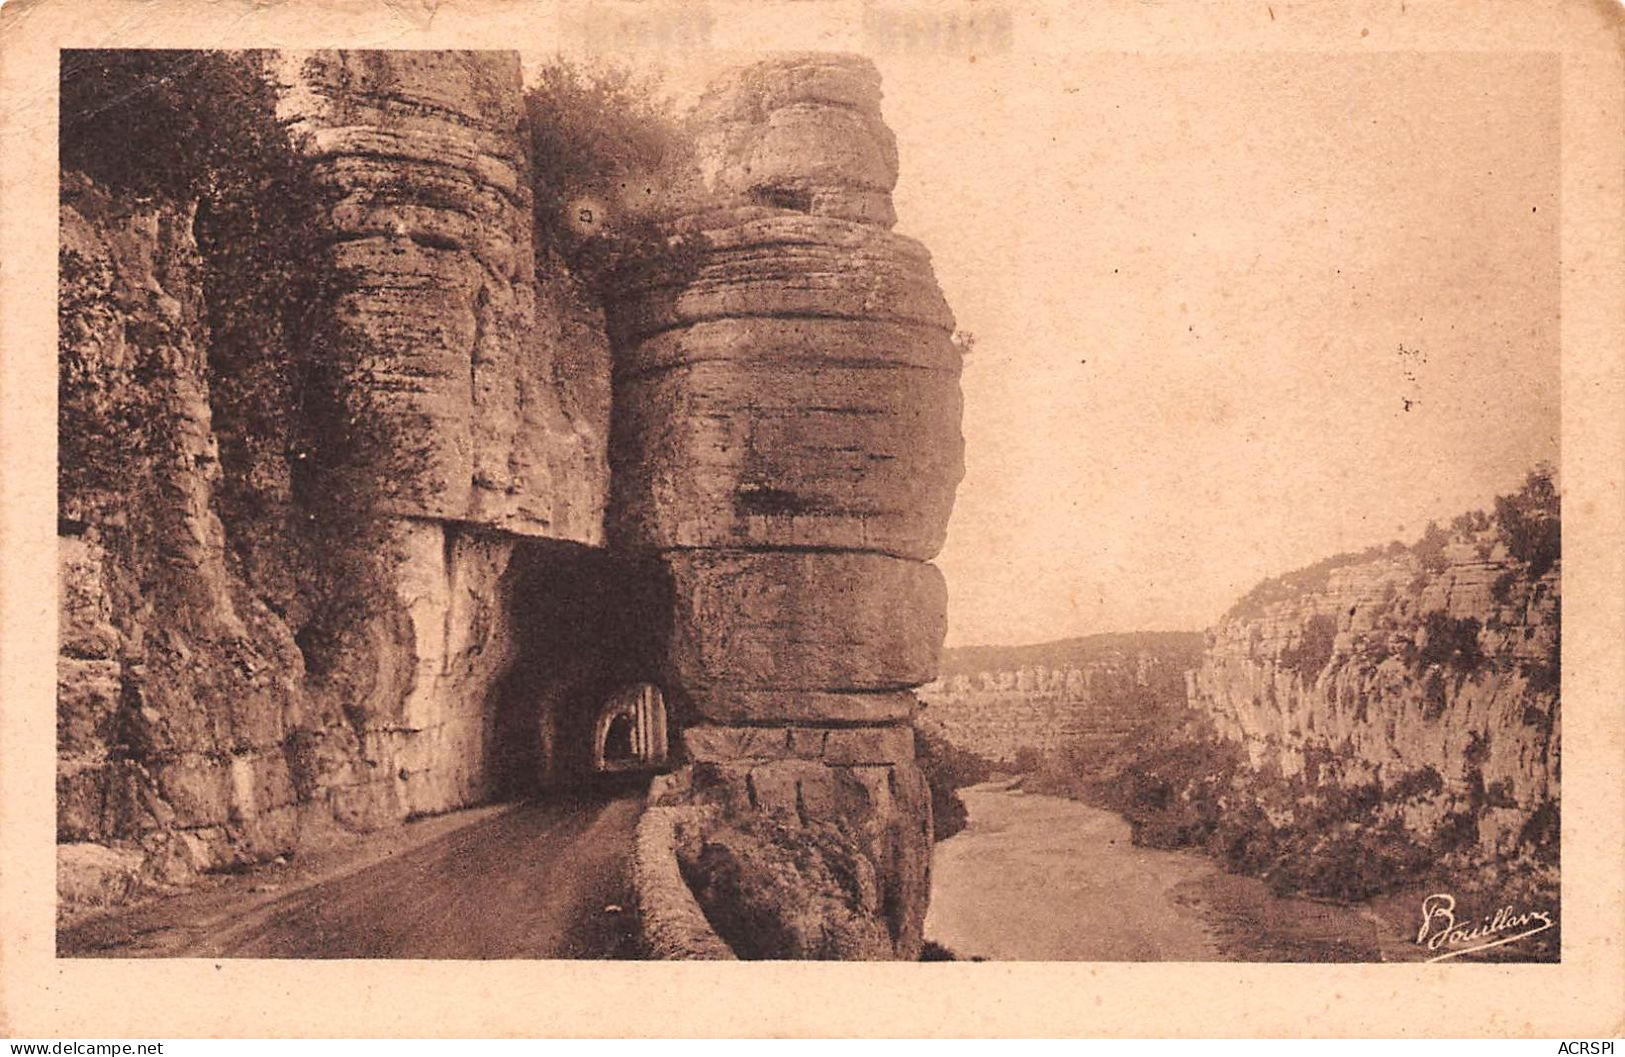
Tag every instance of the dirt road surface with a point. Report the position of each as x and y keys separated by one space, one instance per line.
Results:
x=542 y=879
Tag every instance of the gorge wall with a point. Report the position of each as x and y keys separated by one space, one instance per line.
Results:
x=1372 y=721
x=351 y=532
x=1430 y=670
x=1087 y=693
x=246 y=667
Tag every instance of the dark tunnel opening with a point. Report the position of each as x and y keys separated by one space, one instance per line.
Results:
x=618 y=740
x=588 y=623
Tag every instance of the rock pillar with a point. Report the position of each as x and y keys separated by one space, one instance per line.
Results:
x=786 y=442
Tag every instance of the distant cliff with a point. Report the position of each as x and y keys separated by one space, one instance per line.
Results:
x=1434 y=666
x=1007 y=703
x=1371 y=721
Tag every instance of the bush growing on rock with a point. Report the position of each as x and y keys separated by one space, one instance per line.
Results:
x=947 y=769
x=175 y=124
x=1313 y=650
x=185 y=130
x=1450 y=642
x=199 y=130
x=1429 y=550
x=598 y=137
x=1530 y=522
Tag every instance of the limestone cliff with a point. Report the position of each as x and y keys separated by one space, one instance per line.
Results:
x=1371 y=722
x=347 y=536
x=786 y=443
x=422 y=156
x=278 y=622
x=1439 y=661
x=1086 y=693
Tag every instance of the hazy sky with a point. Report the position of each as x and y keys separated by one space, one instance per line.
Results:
x=1190 y=279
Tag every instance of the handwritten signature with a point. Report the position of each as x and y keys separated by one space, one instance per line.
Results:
x=1441 y=931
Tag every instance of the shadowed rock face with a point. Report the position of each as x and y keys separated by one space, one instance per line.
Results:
x=787 y=441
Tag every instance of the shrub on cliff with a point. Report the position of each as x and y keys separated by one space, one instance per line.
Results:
x=1450 y=642
x=1530 y=522
x=947 y=769
x=173 y=130
x=598 y=137
x=1313 y=650
x=1344 y=864
x=179 y=124
x=1429 y=550
x=1169 y=779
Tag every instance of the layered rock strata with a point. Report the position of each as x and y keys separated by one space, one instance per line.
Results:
x=1392 y=671
x=787 y=442
x=206 y=718
x=1093 y=705
x=430 y=243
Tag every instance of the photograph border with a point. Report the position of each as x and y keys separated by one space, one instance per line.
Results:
x=1584 y=995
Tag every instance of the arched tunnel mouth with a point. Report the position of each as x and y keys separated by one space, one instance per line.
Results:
x=587 y=625
x=618 y=742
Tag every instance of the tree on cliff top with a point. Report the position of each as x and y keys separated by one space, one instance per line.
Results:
x=1530 y=521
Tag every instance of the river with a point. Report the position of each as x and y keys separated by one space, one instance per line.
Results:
x=1041 y=878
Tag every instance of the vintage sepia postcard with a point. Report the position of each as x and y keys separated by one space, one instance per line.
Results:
x=1122 y=503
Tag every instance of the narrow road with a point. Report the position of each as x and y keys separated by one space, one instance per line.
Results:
x=543 y=879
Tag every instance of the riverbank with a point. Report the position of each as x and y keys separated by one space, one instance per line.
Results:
x=1038 y=878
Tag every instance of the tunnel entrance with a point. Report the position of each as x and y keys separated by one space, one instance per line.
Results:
x=579 y=699
x=617 y=747
x=631 y=732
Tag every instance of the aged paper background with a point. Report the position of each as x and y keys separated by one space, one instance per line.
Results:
x=1584 y=996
